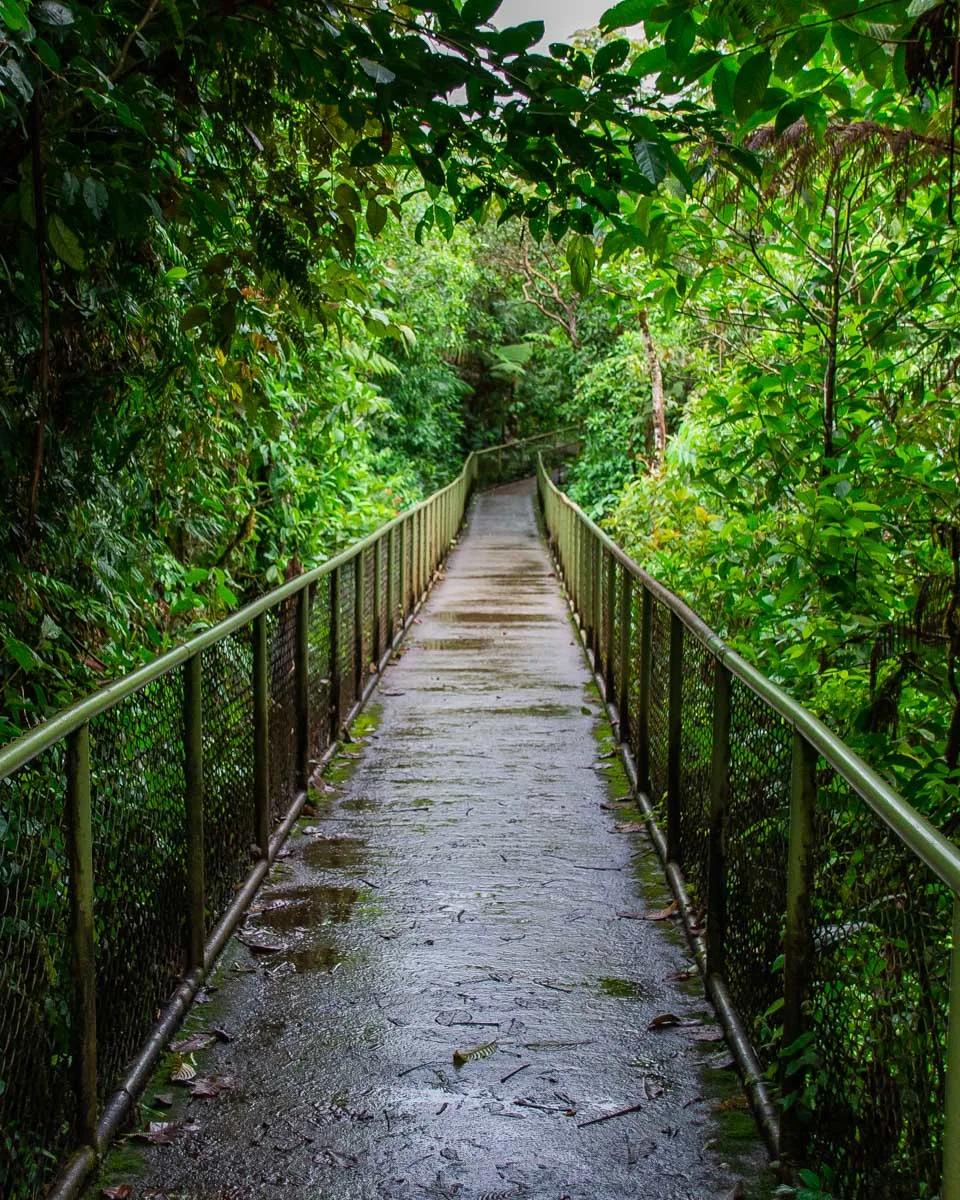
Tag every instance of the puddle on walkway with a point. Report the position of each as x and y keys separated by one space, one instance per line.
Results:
x=334 y=853
x=306 y=908
x=466 y=643
x=459 y=616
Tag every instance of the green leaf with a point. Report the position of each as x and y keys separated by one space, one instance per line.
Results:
x=22 y=655
x=611 y=56
x=12 y=15
x=873 y=61
x=750 y=86
x=13 y=72
x=581 y=256
x=174 y=274
x=797 y=51
x=65 y=243
x=376 y=216
x=46 y=53
x=479 y=12
x=95 y=197
x=518 y=38
x=651 y=160
x=194 y=317
x=628 y=12
x=55 y=13
x=722 y=88
x=377 y=71
x=429 y=167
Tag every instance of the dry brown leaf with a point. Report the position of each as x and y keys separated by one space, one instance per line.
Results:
x=737 y=1103
x=632 y=916
x=629 y=827
x=164 y=1133
x=258 y=945
x=663 y=914
x=708 y=1035
x=665 y=1021
x=196 y=1041
x=123 y=1191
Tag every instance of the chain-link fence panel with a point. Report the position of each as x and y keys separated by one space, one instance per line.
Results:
x=614 y=671
x=319 y=668
x=282 y=704
x=139 y=866
x=756 y=862
x=227 y=706
x=601 y=658
x=37 y=1100
x=346 y=631
x=368 y=567
x=383 y=612
x=659 y=701
x=877 y=1009
x=696 y=742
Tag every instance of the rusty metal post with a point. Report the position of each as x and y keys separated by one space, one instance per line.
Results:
x=80 y=846
x=261 y=737
x=302 y=684
x=719 y=813
x=643 y=699
x=336 y=636
x=798 y=933
x=193 y=748
x=675 y=727
x=626 y=620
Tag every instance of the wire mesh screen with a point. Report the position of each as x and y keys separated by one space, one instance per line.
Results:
x=139 y=865
x=756 y=861
x=878 y=1004
x=659 y=700
x=282 y=704
x=347 y=637
x=696 y=741
x=602 y=655
x=369 y=606
x=636 y=665
x=383 y=613
x=227 y=704
x=36 y=989
x=614 y=668
x=318 y=668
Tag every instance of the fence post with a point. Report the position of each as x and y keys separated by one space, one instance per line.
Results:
x=951 y=1122
x=626 y=619
x=404 y=573
x=80 y=841
x=643 y=699
x=609 y=626
x=193 y=747
x=358 y=601
x=302 y=679
x=336 y=683
x=261 y=738
x=675 y=731
x=391 y=590
x=719 y=809
x=377 y=648
x=798 y=934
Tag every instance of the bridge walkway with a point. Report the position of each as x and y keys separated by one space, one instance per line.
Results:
x=446 y=989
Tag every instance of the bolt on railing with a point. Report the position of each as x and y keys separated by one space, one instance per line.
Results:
x=823 y=910
x=128 y=824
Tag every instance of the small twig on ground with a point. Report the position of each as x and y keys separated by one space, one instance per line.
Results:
x=622 y=1112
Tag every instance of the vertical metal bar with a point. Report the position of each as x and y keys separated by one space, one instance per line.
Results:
x=391 y=587
x=404 y=572
x=950 y=1189
x=798 y=933
x=643 y=699
x=609 y=657
x=626 y=621
x=261 y=738
x=302 y=682
x=336 y=683
x=377 y=632
x=358 y=598
x=193 y=748
x=675 y=727
x=80 y=844
x=719 y=812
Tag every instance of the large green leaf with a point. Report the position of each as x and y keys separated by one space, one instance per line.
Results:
x=610 y=56
x=478 y=12
x=797 y=50
x=581 y=256
x=651 y=160
x=750 y=86
x=628 y=12
x=65 y=243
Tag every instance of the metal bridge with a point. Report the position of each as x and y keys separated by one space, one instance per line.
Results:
x=137 y=827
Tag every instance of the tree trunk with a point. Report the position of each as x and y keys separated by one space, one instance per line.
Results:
x=656 y=394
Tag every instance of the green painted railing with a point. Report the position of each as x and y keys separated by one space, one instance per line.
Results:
x=824 y=911
x=136 y=825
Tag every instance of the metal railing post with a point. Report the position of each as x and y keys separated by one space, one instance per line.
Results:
x=719 y=812
x=643 y=698
x=404 y=571
x=798 y=934
x=302 y=681
x=391 y=588
x=609 y=626
x=261 y=738
x=626 y=620
x=358 y=601
x=80 y=846
x=377 y=632
x=950 y=1188
x=336 y=682
x=675 y=731
x=193 y=747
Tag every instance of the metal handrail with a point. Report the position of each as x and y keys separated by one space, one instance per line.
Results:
x=610 y=623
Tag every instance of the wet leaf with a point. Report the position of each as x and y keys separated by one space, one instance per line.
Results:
x=737 y=1103
x=163 y=1100
x=632 y=916
x=164 y=1133
x=461 y=1057
x=221 y=1034
x=121 y=1192
x=183 y=1071
x=663 y=914
x=665 y=1021
x=213 y=1085
x=258 y=945
x=629 y=827
x=683 y=976
x=196 y=1041
x=708 y=1035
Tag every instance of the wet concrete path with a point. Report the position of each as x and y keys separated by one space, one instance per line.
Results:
x=461 y=891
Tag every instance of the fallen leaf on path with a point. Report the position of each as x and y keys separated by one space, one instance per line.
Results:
x=183 y=1071
x=164 y=1133
x=663 y=914
x=462 y=1057
x=683 y=976
x=213 y=1086
x=196 y=1041
x=665 y=1021
x=736 y=1103
x=163 y=1100
x=629 y=827
x=258 y=945
x=121 y=1192
x=708 y=1035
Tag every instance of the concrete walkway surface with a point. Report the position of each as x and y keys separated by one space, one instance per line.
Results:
x=447 y=989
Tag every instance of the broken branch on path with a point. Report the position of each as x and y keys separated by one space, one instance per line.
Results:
x=621 y=1112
